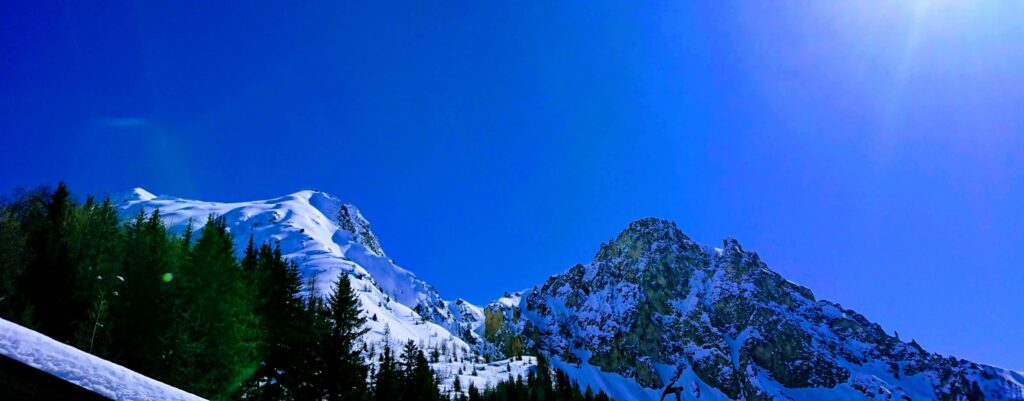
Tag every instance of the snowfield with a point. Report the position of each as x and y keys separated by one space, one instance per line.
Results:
x=75 y=366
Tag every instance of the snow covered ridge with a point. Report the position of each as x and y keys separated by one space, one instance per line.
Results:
x=83 y=369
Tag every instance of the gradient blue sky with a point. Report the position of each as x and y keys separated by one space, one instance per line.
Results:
x=872 y=152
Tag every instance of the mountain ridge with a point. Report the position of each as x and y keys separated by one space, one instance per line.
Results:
x=652 y=307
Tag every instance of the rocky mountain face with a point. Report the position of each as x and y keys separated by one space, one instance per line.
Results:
x=654 y=307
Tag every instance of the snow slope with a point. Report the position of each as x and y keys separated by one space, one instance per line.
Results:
x=90 y=372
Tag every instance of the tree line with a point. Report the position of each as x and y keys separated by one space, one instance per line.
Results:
x=186 y=310
x=541 y=384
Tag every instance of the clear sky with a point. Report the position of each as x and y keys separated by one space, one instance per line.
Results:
x=872 y=152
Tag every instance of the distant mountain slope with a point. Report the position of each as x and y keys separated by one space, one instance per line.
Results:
x=81 y=368
x=654 y=307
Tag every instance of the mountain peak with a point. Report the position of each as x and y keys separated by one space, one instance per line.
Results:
x=138 y=193
x=312 y=194
x=642 y=241
x=651 y=231
x=652 y=228
x=652 y=223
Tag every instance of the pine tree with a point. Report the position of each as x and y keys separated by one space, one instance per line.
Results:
x=13 y=258
x=249 y=261
x=186 y=240
x=346 y=371
x=407 y=364
x=387 y=382
x=418 y=380
x=313 y=341
x=457 y=386
x=21 y=214
x=143 y=308
x=473 y=392
x=51 y=276
x=94 y=242
x=215 y=337
x=286 y=323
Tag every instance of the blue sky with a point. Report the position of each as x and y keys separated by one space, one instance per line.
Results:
x=871 y=152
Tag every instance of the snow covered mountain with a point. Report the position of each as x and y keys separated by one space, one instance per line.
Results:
x=651 y=309
x=326 y=237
